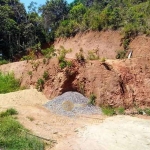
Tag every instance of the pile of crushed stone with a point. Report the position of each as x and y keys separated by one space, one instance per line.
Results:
x=72 y=104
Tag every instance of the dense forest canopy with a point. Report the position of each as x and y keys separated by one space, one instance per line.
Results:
x=20 y=29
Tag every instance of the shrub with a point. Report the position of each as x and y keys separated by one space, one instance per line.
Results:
x=45 y=75
x=49 y=52
x=40 y=84
x=92 y=55
x=80 y=57
x=147 y=111
x=8 y=83
x=109 y=111
x=92 y=99
x=121 y=54
x=120 y=110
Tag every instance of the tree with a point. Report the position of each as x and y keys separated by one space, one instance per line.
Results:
x=52 y=13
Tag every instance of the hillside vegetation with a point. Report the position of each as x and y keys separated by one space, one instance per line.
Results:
x=20 y=30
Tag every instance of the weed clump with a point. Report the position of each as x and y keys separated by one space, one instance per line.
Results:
x=8 y=83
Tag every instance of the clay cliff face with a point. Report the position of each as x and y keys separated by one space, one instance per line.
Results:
x=115 y=83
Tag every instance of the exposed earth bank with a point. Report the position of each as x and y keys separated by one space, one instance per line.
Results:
x=114 y=82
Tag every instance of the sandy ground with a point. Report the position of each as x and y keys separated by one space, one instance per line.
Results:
x=80 y=133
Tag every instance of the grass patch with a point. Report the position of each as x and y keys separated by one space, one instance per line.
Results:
x=13 y=135
x=3 y=61
x=8 y=83
x=108 y=111
x=9 y=112
x=120 y=110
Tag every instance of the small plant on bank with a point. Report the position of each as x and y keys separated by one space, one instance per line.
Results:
x=80 y=57
x=40 y=84
x=45 y=75
x=147 y=111
x=121 y=54
x=103 y=60
x=8 y=83
x=30 y=73
x=120 y=110
x=92 y=99
x=109 y=111
x=92 y=55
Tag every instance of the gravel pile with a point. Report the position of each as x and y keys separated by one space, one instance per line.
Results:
x=72 y=104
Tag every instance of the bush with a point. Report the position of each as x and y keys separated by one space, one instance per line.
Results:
x=108 y=111
x=92 y=99
x=121 y=54
x=147 y=111
x=8 y=83
x=120 y=110
x=40 y=84
x=45 y=75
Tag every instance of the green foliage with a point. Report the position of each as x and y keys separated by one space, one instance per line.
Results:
x=80 y=57
x=92 y=99
x=49 y=52
x=8 y=83
x=30 y=73
x=147 y=111
x=109 y=111
x=45 y=75
x=3 y=61
x=12 y=135
x=121 y=54
x=120 y=110
x=62 y=61
x=9 y=112
x=40 y=84
x=92 y=55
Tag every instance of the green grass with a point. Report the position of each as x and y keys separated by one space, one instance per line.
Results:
x=120 y=110
x=108 y=111
x=8 y=83
x=8 y=112
x=3 y=61
x=13 y=135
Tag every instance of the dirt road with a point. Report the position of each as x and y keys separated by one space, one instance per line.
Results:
x=80 y=133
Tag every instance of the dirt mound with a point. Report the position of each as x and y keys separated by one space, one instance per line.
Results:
x=23 y=98
x=106 y=44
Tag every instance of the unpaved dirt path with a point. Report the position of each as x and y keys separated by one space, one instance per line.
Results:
x=80 y=133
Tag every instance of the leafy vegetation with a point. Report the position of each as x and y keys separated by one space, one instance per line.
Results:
x=9 y=112
x=109 y=111
x=92 y=99
x=8 y=83
x=13 y=134
x=20 y=29
x=40 y=84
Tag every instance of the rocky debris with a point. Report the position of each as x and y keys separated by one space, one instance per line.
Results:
x=72 y=104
